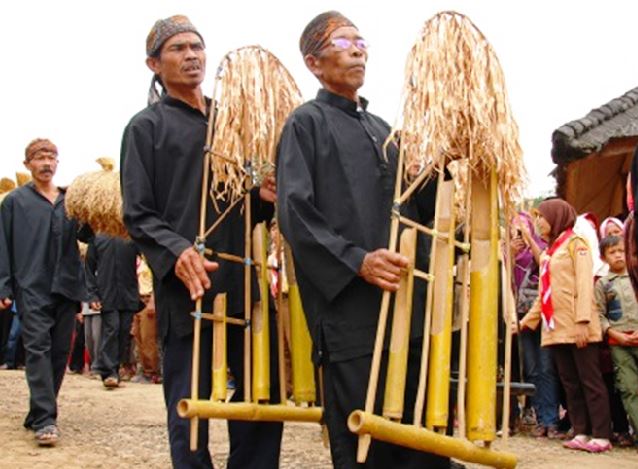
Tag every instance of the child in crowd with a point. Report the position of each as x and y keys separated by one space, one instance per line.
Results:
x=571 y=329
x=611 y=226
x=618 y=310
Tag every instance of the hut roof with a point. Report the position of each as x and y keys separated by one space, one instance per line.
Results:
x=616 y=119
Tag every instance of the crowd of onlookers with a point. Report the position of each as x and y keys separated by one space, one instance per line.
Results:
x=577 y=318
x=140 y=359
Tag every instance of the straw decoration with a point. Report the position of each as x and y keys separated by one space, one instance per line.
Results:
x=255 y=95
x=95 y=198
x=455 y=105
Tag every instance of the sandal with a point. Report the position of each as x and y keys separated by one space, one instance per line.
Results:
x=595 y=447
x=576 y=443
x=47 y=436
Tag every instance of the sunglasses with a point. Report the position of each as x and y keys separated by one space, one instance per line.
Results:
x=343 y=43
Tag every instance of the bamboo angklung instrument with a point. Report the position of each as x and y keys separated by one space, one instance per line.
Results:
x=455 y=109
x=257 y=94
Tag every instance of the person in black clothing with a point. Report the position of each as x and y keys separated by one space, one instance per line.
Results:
x=162 y=164
x=335 y=190
x=111 y=275
x=41 y=270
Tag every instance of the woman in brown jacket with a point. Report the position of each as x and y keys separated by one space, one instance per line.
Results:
x=570 y=326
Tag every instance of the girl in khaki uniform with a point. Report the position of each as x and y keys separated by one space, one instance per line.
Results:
x=570 y=326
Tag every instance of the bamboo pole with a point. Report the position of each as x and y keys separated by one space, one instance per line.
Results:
x=219 y=359
x=421 y=439
x=400 y=339
x=419 y=403
x=373 y=381
x=260 y=323
x=481 y=399
x=440 y=359
x=248 y=411
x=277 y=242
x=247 y=294
x=509 y=314
x=464 y=273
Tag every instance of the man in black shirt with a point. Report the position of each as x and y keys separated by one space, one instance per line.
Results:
x=335 y=190
x=41 y=270
x=111 y=276
x=162 y=160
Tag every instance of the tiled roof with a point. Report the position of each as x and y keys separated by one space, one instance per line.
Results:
x=576 y=139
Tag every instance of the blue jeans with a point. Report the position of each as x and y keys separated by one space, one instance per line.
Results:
x=12 y=341
x=539 y=369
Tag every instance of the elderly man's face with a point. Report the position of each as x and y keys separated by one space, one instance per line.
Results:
x=181 y=63
x=341 y=65
x=42 y=166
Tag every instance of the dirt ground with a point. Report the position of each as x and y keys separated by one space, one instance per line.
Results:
x=126 y=428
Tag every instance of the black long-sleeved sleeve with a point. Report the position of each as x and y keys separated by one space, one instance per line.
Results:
x=6 y=228
x=159 y=242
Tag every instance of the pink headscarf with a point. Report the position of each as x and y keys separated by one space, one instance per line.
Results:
x=606 y=222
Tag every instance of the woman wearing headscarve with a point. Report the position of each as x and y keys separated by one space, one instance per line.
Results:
x=611 y=226
x=538 y=364
x=570 y=326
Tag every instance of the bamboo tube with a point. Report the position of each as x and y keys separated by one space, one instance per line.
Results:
x=421 y=439
x=440 y=354
x=260 y=324
x=219 y=361
x=400 y=339
x=224 y=319
x=427 y=324
x=481 y=398
x=303 y=376
x=373 y=381
x=248 y=411
x=464 y=273
x=303 y=371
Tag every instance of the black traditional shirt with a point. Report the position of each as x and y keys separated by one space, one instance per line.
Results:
x=111 y=273
x=162 y=160
x=334 y=193
x=39 y=256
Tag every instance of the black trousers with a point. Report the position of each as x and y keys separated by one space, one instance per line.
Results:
x=345 y=391
x=46 y=334
x=587 y=399
x=252 y=444
x=115 y=342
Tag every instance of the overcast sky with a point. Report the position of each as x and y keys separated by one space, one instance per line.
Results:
x=74 y=71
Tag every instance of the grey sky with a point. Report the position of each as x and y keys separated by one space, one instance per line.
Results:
x=74 y=71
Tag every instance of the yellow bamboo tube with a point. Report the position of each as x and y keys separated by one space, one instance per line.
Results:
x=247 y=411
x=400 y=338
x=483 y=323
x=303 y=373
x=441 y=341
x=421 y=439
x=260 y=326
x=220 y=362
x=247 y=294
x=304 y=388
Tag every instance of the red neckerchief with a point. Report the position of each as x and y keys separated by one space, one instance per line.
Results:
x=547 y=309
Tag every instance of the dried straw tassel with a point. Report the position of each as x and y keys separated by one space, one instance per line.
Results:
x=255 y=96
x=455 y=106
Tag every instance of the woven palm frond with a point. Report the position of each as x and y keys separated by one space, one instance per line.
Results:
x=254 y=96
x=455 y=105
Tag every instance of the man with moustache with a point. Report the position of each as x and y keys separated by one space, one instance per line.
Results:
x=41 y=270
x=335 y=189
x=162 y=163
